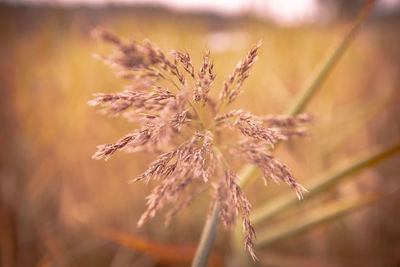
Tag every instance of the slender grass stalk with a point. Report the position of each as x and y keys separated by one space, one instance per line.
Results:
x=327 y=67
x=323 y=183
x=325 y=70
x=313 y=218
x=207 y=239
x=316 y=83
x=210 y=229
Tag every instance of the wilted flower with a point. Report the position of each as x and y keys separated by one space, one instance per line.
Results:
x=172 y=123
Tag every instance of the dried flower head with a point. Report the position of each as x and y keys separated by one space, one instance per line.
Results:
x=173 y=124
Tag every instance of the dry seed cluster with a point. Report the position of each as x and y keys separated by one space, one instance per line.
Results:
x=191 y=155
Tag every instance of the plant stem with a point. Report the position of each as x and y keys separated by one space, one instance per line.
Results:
x=207 y=239
x=210 y=229
x=328 y=65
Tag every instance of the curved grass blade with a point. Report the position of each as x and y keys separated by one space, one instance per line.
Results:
x=324 y=183
x=165 y=253
x=314 y=218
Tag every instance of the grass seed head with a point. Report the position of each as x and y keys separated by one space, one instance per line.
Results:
x=189 y=155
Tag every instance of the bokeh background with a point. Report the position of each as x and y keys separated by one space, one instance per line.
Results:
x=59 y=207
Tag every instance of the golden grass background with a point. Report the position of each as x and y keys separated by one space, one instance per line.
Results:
x=54 y=197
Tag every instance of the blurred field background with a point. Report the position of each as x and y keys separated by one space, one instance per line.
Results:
x=55 y=201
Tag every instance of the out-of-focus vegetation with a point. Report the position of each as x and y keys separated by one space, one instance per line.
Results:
x=58 y=206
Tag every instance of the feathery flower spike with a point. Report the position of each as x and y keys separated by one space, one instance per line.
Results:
x=170 y=124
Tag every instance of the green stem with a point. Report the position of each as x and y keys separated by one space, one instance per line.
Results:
x=210 y=228
x=310 y=91
x=316 y=83
x=207 y=239
x=332 y=60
